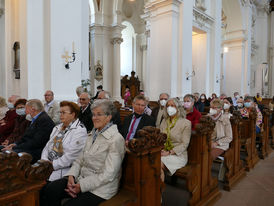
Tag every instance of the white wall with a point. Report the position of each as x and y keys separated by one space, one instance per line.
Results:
x=2 y=52
x=199 y=62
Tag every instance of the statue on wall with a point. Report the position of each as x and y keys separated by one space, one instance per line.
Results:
x=16 y=67
x=98 y=71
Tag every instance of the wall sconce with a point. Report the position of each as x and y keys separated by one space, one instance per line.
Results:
x=67 y=57
x=217 y=80
x=188 y=76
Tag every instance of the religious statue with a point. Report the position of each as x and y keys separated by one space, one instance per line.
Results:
x=98 y=71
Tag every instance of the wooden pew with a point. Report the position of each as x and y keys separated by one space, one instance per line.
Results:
x=20 y=182
x=248 y=140
x=202 y=186
x=263 y=137
x=234 y=165
x=140 y=182
x=123 y=113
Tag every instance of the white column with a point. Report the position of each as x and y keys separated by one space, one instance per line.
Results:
x=2 y=50
x=164 y=45
x=116 y=78
x=271 y=53
x=185 y=51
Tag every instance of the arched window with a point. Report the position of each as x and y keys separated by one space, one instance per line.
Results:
x=128 y=49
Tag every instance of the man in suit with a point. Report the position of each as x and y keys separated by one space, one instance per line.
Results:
x=137 y=120
x=52 y=107
x=37 y=134
x=158 y=112
x=85 y=114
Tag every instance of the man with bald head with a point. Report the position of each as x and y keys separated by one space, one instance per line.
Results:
x=85 y=112
x=52 y=107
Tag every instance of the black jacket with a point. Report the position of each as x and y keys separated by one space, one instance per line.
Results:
x=35 y=137
x=85 y=118
x=145 y=121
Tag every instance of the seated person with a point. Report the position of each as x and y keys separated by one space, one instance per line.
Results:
x=51 y=106
x=192 y=114
x=11 y=101
x=147 y=110
x=158 y=112
x=178 y=130
x=66 y=140
x=240 y=104
x=248 y=106
x=222 y=134
x=116 y=116
x=85 y=112
x=137 y=120
x=202 y=103
x=126 y=96
x=21 y=123
x=259 y=98
x=228 y=108
x=7 y=120
x=95 y=174
x=37 y=134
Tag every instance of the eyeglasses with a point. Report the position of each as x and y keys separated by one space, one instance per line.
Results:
x=64 y=112
x=98 y=115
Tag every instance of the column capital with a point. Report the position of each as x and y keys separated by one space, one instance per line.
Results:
x=161 y=7
x=116 y=40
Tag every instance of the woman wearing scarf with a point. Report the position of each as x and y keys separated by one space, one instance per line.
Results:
x=95 y=174
x=66 y=140
x=222 y=134
x=178 y=130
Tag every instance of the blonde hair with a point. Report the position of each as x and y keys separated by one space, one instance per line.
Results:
x=217 y=103
x=179 y=106
x=3 y=102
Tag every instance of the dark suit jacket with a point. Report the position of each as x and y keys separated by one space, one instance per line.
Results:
x=35 y=137
x=85 y=118
x=145 y=121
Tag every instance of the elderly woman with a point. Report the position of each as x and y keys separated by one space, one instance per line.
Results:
x=222 y=134
x=178 y=130
x=192 y=114
x=7 y=120
x=66 y=140
x=248 y=105
x=95 y=174
x=20 y=124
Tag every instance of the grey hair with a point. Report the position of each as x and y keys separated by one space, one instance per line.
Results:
x=3 y=102
x=189 y=96
x=179 y=106
x=164 y=94
x=140 y=97
x=86 y=93
x=106 y=105
x=79 y=90
x=249 y=98
x=35 y=104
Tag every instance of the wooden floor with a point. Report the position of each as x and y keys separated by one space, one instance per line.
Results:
x=256 y=189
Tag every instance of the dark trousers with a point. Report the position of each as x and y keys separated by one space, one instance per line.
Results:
x=53 y=193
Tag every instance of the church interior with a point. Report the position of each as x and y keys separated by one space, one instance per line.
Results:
x=201 y=68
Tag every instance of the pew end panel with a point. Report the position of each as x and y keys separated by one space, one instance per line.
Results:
x=21 y=182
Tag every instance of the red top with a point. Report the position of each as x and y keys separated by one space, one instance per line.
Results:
x=6 y=130
x=194 y=117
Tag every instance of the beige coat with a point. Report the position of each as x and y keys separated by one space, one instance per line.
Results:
x=53 y=112
x=222 y=133
x=180 y=137
x=98 y=168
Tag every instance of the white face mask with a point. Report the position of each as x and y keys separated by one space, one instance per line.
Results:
x=226 y=106
x=187 y=105
x=10 y=105
x=202 y=97
x=240 y=104
x=28 y=117
x=212 y=112
x=163 y=102
x=237 y=96
x=21 y=111
x=171 y=111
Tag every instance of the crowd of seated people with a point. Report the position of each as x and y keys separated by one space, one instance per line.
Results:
x=86 y=142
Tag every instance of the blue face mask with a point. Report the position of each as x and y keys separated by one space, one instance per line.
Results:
x=247 y=104
x=10 y=105
x=21 y=111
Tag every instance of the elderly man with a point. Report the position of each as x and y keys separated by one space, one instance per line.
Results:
x=158 y=112
x=37 y=134
x=137 y=120
x=85 y=112
x=52 y=107
x=11 y=101
x=116 y=116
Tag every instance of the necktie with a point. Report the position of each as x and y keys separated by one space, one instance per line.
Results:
x=131 y=128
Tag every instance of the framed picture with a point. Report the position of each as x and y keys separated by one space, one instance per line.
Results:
x=98 y=71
